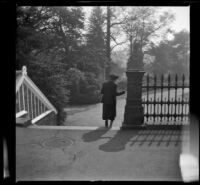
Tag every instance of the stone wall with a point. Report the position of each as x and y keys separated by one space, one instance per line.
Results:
x=49 y=119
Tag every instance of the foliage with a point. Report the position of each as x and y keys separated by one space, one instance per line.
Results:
x=75 y=77
x=67 y=65
x=91 y=60
x=95 y=41
x=117 y=20
x=143 y=23
x=171 y=56
x=52 y=82
x=84 y=88
x=180 y=53
x=47 y=40
x=162 y=59
x=95 y=35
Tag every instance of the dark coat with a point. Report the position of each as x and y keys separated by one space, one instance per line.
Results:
x=109 y=91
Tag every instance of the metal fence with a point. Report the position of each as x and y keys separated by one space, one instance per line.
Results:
x=165 y=100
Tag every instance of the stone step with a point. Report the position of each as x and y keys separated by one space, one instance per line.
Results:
x=24 y=122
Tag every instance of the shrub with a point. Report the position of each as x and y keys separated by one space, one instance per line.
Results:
x=87 y=98
x=52 y=83
x=84 y=87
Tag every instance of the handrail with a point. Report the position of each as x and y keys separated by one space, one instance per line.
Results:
x=41 y=116
x=21 y=113
x=37 y=91
x=30 y=100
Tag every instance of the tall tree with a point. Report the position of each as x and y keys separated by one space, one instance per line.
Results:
x=172 y=56
x=143 y=23
x=108 y=49
x=62 y=25
x=162 y=58
x=180 y=52
x=96 y=40
x=47 y=38
x=113 y=23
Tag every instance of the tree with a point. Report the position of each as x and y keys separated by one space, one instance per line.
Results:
x=47 y=40
x=171 y=56
x=162 y=60
x=28 y=38
x=142 y=24
x=62 y=26
x=95 y=40
x=49 y=76
x=113 y=20
x=180 y=53
x=108 y=49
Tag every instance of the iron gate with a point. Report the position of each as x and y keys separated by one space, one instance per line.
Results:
x=165 y=101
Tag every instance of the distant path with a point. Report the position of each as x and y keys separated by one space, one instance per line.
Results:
x=91 y=115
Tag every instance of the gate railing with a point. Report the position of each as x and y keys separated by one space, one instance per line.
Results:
x=166 y=101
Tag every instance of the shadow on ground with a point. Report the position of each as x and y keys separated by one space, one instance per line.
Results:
x=157 y=138
x=119 y=141
x=94 y=135
x=139 y=138
x=147 y=138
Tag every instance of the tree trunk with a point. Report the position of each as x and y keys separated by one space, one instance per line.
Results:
x=108 y=50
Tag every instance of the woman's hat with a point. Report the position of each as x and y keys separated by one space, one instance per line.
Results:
x=113 y=77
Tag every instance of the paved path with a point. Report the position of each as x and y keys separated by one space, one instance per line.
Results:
x=99 y=154
x=91 y=115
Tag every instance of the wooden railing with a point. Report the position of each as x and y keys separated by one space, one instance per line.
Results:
x=26 y=100
x=30 y=100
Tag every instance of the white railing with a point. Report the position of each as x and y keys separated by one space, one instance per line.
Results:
x=30 y=100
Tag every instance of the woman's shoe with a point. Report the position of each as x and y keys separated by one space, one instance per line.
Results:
x=111 y=122
x=106 y=123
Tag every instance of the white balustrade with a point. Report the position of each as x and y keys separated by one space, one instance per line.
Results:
x=30 y=99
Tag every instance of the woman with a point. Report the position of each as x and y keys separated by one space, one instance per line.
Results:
x=109 y=91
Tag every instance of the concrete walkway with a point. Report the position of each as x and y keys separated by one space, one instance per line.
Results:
x=98 y=154
x=91 y=115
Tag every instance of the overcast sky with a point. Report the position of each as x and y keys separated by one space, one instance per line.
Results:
x=182 y=17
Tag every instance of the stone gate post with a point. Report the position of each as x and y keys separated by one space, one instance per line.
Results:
x=133 y=115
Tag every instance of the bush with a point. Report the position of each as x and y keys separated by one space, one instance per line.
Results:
x=84 y=87
x=88 y=98
x=52 y=84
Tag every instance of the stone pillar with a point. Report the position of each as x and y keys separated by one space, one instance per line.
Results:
x=133 y=115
